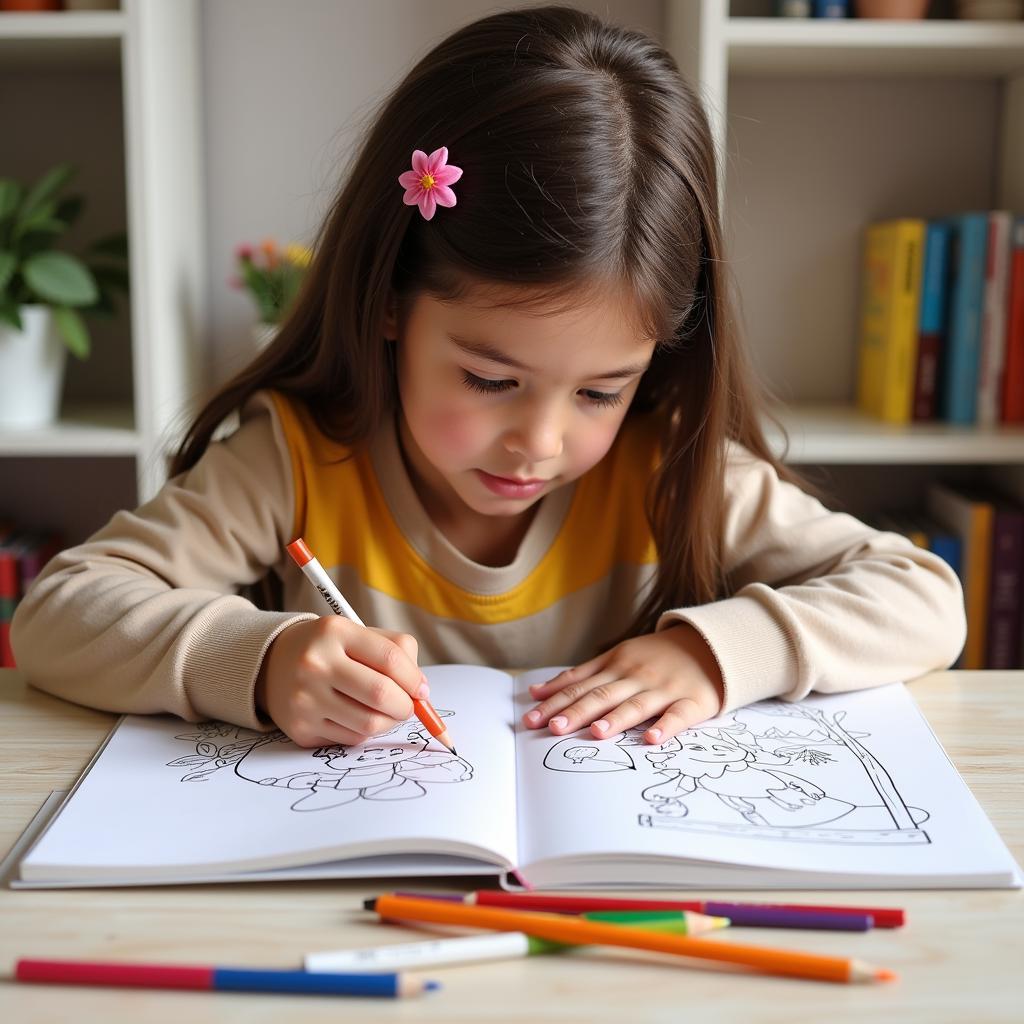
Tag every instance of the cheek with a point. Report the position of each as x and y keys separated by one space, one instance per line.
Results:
x=456 y=432
x=592 y=445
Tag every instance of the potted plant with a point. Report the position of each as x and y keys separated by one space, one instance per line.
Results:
x=272 y=276
x=43 y=292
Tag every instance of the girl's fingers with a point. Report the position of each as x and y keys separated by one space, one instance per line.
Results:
x=571 y=675
x=388 y=658
x=370 y=698
x=643 y=705
x=580 y=703
x=675 y=719
x=332 y=734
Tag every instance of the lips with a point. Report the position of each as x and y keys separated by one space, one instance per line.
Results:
x=511 y=487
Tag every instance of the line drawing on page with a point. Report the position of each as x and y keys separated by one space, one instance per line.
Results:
x=382 y=768
x=773 y=770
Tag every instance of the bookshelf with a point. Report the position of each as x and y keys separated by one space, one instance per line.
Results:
x=117 y=93
x=821 y=127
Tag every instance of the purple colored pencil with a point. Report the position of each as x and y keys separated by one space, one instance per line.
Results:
x=779 y=917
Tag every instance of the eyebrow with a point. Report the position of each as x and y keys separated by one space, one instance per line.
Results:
x=486 y=350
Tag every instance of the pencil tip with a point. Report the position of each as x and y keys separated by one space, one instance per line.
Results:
x=455 y=752
x=370 y=904
x=720 y=922
x=882 y=974
x=431 y=986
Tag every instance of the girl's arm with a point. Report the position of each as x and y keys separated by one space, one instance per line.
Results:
x=819 y=601
x=144 y=617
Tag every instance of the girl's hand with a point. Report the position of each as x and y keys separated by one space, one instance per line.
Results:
x=671 y=674
x=330 y=680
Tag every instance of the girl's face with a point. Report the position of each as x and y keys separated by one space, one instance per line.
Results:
x=502 y=405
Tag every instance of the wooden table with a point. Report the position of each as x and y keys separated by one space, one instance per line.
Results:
x=959 y=957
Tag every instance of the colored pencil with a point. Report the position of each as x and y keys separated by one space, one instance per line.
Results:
x=576 y=931
x=314 y=572
x=218 y=979
x=488 y=946
x=680 y=922
x=464 y=949
x=751 y=915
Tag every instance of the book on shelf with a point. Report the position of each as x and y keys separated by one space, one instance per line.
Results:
x=970 y=515
x=1003 y=643
x=847 y=791
x=23 y=553
x=1013 y=378
x=959 y=389
x=931 y=328
x=992 y=348
x=890 y=298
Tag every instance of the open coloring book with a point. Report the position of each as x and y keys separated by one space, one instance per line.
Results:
x=844 y=791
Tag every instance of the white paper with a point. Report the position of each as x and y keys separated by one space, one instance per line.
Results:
x=850 y=784
x=170 y=799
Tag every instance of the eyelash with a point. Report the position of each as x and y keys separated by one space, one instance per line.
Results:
x=484 y=386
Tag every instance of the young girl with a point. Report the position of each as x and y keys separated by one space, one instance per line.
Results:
x=511 y=416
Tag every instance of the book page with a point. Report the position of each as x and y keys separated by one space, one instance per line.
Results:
x=170 y=799
x=851 y=783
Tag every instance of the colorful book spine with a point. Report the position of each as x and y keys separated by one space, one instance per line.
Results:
x=932 y=321
x=970 y=516
x=992 y=353
x=11 y=547
x=959 y=394
x=890 y=297
x=1007 y=578
x=1013 y=377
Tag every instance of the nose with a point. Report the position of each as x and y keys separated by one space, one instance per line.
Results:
x=537 y=434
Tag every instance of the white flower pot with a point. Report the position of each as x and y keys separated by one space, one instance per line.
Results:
x=31 y=370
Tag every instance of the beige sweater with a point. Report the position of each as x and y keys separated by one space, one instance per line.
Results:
x=145 y=616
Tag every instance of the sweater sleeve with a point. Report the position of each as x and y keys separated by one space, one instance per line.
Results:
x=145 y=616
x=818 y=600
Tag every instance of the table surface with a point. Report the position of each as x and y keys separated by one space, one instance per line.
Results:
x=958 y=957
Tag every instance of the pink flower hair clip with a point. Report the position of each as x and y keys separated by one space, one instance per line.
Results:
x=426 y=185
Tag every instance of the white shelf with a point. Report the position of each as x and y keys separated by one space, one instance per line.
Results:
x=93 y=429
x=62 y=40
x=789 y=46
x=835 y=435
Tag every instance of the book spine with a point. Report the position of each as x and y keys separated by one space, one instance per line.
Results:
x=1013 y=377
x=992 y=352
x=932 y=323
x=960 y=374
x=1007 y=574
x=889 y=318
x=8 y=596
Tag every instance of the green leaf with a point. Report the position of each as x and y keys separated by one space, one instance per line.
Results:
x=60 y=279
x=72 y=329
x=8 y=262
x=10 y=197
x=47 y=187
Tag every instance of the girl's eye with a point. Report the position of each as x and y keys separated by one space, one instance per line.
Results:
x=485 y=385
x=602 y=398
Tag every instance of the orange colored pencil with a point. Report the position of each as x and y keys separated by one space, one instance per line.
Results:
x=574 y=931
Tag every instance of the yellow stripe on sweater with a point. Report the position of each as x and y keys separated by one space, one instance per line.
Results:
x=343 y=515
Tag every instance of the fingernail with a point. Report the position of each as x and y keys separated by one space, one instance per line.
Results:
x=601 y=726
x=423 y=692
x=655 y=735
x=559 y=722
x=533 y=717
x=535 y=686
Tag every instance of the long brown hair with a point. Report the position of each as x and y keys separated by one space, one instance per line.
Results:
x=587 y=160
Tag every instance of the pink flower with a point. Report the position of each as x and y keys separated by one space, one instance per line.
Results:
x=427 y=183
